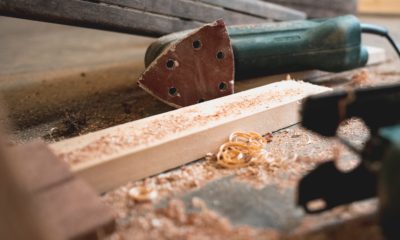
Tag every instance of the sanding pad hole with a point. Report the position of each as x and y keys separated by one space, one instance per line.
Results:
x=196 y=44
x=173 y=91
x=170 y=64
x=220 y=55
x=222 y=86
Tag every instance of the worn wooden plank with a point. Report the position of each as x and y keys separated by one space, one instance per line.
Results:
x=321 y=8
x=36 y=168
x=20 y=218
x=192 y=10
x=260 y=9
x=59 y=206
x=76 y=208
x=389 y=7
x=95 y=15
x=111 y=157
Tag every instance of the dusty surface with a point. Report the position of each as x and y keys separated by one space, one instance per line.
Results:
x=91 y=74
x=293 y=151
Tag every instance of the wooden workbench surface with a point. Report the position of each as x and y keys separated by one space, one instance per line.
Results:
x=293 y=151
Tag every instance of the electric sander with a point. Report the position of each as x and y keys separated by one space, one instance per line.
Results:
x=189 y=67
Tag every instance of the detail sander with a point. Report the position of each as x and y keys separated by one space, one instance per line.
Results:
x=189 y=67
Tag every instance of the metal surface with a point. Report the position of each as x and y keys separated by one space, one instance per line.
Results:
x=197 y=68
x=243 y=204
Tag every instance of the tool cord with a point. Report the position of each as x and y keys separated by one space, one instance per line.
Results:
x=381 y=31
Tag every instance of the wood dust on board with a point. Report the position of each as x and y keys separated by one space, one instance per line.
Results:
x=156 y=129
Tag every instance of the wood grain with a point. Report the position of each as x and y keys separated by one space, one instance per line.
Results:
x=187 y=9
x=379 y=6
x=45 y=193
x=259 y=8
x=321 y=8
x=95 y=15
x=111 y=157
x=147 y=18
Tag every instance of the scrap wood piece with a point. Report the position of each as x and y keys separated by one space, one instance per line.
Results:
x=135 y=150
x=77 y=209
x=69 y=208
x=37 y=168
x=18 y=213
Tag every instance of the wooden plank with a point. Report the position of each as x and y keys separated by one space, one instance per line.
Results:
x=76 y=208
x=20 y=218
x=111 y=157
x=95 y=15
x=260 y=9
x=67 y=206
x=321 y=8
x=391 y=7
x=36 y=168
x=189 y=10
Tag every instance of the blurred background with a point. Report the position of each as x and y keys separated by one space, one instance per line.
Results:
x=59 y=81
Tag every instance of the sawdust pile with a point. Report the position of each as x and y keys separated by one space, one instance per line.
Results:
x=173 y=222
x=292 y=152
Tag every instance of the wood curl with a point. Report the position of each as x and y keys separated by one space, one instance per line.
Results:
x=242 y=149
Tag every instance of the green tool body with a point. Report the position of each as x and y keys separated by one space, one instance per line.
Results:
x=331 y=45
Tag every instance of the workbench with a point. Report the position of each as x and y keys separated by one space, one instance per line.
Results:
x=59 y=89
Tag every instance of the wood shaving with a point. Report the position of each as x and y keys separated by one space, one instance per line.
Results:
x=360 y=78
x=142 y=194
x=241 y=150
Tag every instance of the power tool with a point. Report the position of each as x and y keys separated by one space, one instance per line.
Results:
x=193 y=66
x=378 y=172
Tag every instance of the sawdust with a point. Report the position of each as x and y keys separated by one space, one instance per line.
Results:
x=173 y=222
x=294 y=152
x=360 y=78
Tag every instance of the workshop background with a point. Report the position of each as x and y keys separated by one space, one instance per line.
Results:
x=60 y=82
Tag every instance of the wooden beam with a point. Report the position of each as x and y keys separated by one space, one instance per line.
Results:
x=148 y=18
x=60 y=205
x=260 y=9
x=95 y=15
x=321 y=8
x=135 y=150
x=187 y=9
